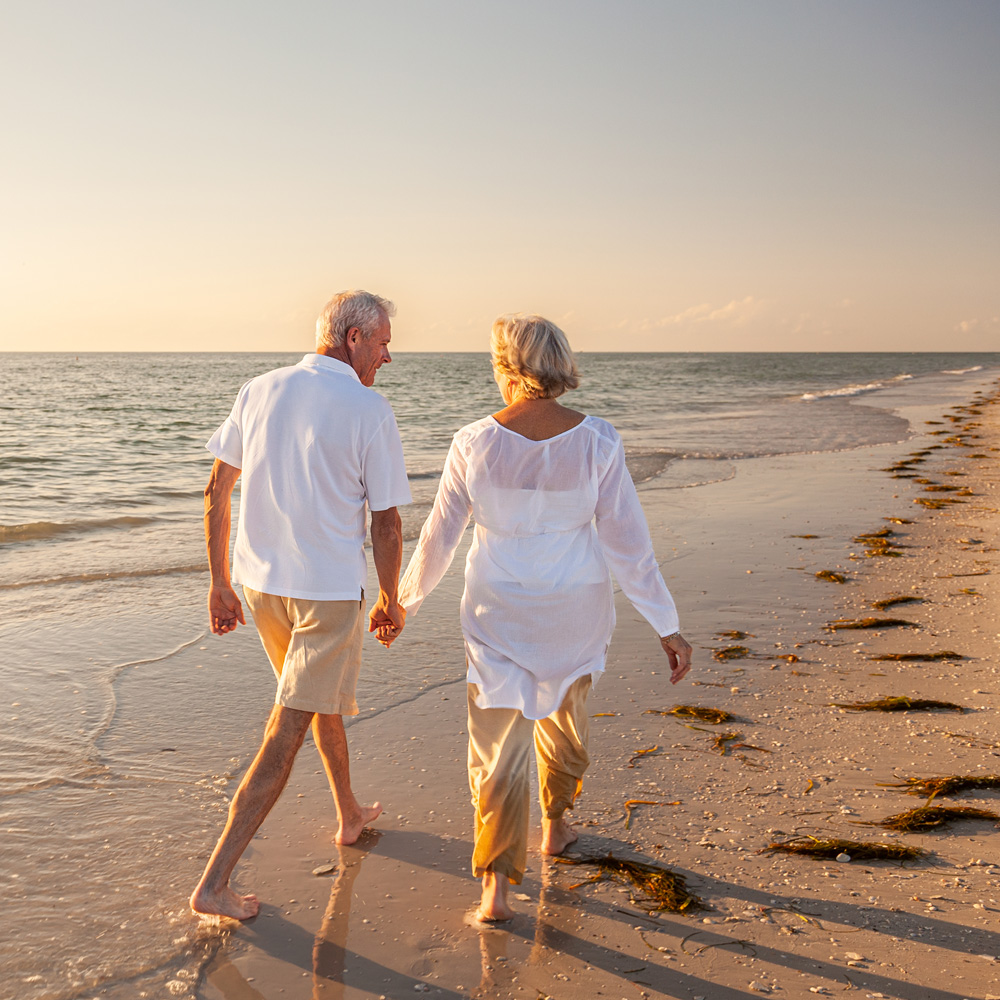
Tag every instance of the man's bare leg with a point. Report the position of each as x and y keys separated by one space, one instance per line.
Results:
x=494 y=906
x=328 y=732
x=557 y=834
x=257 y=793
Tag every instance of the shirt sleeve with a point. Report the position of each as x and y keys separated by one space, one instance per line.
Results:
x=440 y=535
x=628 y=548
x=226 y=443
x=383 y=470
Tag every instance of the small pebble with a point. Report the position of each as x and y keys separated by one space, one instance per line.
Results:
x=843 y=857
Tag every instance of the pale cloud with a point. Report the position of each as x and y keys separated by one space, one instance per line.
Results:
x=803 y=324
x=735 y=313
x=983 y=325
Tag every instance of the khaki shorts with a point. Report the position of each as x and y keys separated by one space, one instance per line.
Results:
x=314 y=647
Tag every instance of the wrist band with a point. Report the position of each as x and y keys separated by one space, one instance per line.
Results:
x=667 y=638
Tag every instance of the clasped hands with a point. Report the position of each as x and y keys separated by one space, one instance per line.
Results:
x=386 y=621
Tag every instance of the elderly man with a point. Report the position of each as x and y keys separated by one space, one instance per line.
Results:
x=314 y=444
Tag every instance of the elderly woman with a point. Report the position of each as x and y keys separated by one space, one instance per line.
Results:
x=554 y=508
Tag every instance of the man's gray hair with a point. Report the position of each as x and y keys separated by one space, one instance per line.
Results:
x=347 y=309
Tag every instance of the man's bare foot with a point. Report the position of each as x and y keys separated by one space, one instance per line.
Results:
x=493 y=906
x=557 y=835
x=350 y=830
x=224 y=903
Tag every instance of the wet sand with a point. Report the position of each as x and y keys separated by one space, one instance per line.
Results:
x=392 y=918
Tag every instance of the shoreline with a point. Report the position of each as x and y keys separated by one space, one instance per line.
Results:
x=392 y=918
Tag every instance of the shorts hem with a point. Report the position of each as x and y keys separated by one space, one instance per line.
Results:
x=304 y=705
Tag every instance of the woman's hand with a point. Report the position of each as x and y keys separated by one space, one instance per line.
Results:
x=678 y=651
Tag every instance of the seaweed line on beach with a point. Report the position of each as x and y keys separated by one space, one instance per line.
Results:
x=899 y=703
x=662 y=888
x=835 y=848
x=928 y=818
x=851 y=623
x=945 y=785
x=712 y=716
x=943 y=654
x=888 y=602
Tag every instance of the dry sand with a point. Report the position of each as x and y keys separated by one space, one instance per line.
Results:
x=392 y=919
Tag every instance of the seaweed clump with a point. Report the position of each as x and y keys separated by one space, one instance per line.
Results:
x=879 y=543
x=661 y=888
x=889 y=602
x=713 y=716
x=858 y=850
x=731 y=653
x=931 y=817
x=900 y=703
x=938 y=503
x=842 y=623
x=832 y=575
x=722 y=741
x=947 y=785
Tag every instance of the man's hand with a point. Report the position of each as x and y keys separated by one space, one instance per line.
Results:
x=386 y=621
x=678 y=651
x=224 y=609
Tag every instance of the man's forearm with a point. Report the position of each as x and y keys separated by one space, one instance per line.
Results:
x=218 y=520
x=387 y=552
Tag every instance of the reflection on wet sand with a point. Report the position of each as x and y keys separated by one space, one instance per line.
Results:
x=330 y=947
x=499 y=967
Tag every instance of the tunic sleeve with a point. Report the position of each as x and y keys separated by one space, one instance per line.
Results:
x=440 y=535
x=628 y=548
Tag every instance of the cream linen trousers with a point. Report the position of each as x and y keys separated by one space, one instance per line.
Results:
x=500 y=741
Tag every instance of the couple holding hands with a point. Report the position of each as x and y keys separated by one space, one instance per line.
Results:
x=555 y=513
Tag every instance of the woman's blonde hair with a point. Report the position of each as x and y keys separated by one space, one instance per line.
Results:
x=535 y=353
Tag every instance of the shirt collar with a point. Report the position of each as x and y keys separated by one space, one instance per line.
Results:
x=331 y=364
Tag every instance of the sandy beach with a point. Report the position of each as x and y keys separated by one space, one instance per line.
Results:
x=390 y=916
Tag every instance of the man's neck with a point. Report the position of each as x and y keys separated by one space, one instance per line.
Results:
x=337 y=353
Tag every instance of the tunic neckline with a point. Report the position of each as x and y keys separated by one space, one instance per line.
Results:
x=569 y=430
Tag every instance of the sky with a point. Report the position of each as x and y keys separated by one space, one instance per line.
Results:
x=709 y=175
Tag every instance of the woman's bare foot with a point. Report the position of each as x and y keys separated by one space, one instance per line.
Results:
x=350 y=829
x=493 y=906
x=557 y=835
x=224 y=903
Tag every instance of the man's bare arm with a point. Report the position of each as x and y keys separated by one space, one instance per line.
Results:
x=387 y=617
x=224 y=608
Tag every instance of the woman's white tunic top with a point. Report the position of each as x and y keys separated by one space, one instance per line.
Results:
x=551 y=517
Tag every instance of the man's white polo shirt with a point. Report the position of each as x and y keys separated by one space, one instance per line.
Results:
x=314 y=445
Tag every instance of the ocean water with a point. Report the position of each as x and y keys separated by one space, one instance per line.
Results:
x=125 y=722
